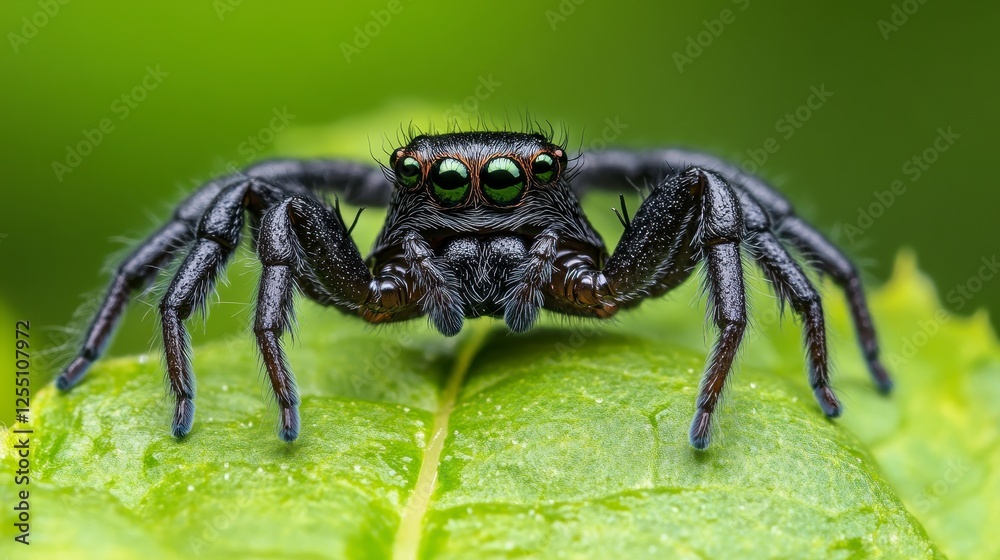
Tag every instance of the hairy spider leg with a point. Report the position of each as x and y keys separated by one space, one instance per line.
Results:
x=792 y=285
x=304 y=245
x=218 y=236
x=619 y=170
x=527 y=296
x=360 y=184
x=655 y=251
x=136 y=272
x=212 y=219
x=705 y=202
x=832 y=261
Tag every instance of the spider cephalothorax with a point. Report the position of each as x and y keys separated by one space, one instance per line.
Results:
x=484 y=224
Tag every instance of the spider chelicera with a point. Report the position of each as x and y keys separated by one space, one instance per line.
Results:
x=484 y=224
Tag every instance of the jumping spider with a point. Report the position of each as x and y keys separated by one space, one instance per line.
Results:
x=484 y=223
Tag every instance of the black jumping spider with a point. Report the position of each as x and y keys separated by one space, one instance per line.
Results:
x=484 y=223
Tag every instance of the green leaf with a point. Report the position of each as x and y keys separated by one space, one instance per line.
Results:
x=568 y=441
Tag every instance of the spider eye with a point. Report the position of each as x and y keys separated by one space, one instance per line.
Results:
x=544 y=168
x=450 y=181
x=408 y=171
x=502 y=180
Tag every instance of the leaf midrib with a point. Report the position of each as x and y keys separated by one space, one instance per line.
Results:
x=406 y=544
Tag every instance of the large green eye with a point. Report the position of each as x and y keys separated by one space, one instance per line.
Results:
x=450 y=180
x=408 y=171
x=544 y=168
x=502 y=180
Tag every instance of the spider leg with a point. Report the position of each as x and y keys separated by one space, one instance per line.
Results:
x=438 y=299
x=391 y=298
x=622 y=170
x=792 y=285
x=134 y=274
x=354 y=182
x=687 y=218
x=720 y=233
x=333 y=273
x=830 y=260
x=358 y=183
x=527 y=294
x=303 y=245
x=727 y=301
x=217 y=238
x=618 y=170
x=279 y=257
x=273 y=318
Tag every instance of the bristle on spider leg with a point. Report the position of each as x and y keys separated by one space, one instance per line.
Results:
x=700 y=435
x=183 y=417
x=288 y=431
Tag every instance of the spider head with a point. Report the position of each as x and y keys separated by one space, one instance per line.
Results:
x=493 y=169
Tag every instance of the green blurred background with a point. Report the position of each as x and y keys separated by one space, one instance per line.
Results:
x=230 y=64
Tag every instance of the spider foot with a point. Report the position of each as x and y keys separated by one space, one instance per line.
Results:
x=526 y=297
x=882 y=380
x=73 y=373
x=521 y=310
x=701 y=429
x=289 y=429
x=828 y=401
x=447 y=318
x=183 y=417
x=520 y=316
